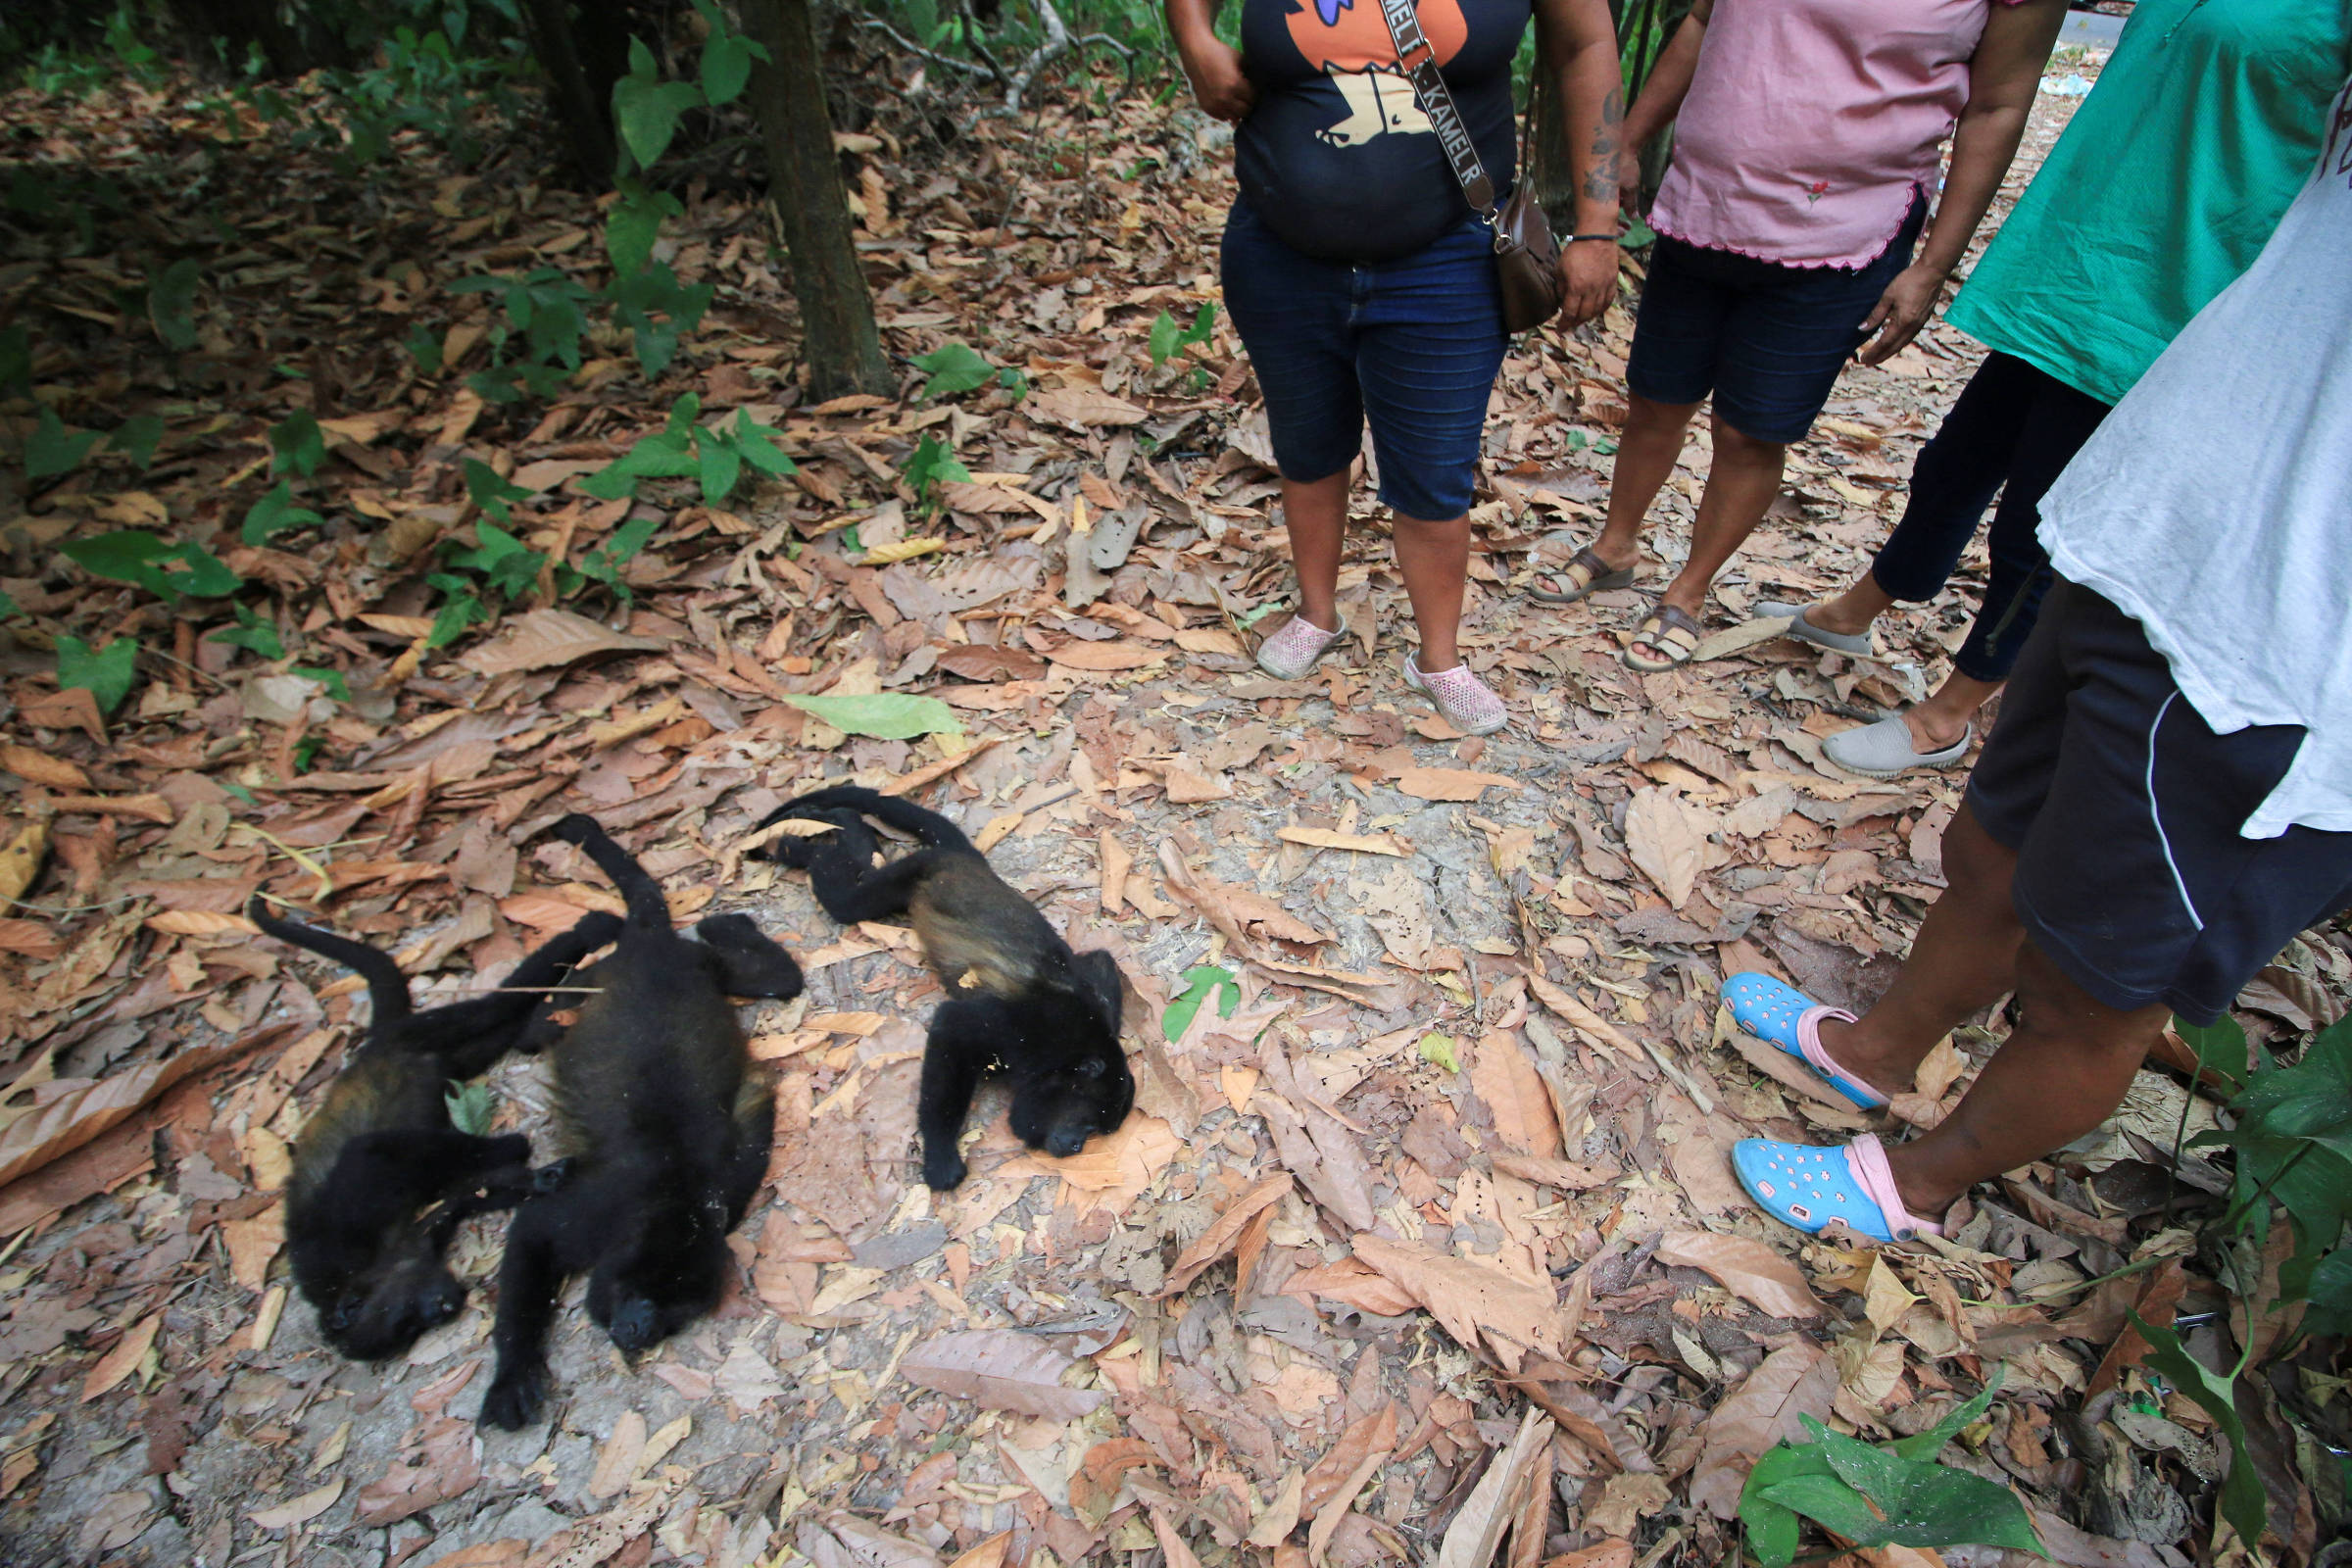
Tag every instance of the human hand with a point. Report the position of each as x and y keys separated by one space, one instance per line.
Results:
x=1900 y=313
x=1214 y=69
x=1628 y=178
x=1589 y=267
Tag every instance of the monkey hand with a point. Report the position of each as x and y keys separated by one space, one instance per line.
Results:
x=943 y=1168
x=514 y=1399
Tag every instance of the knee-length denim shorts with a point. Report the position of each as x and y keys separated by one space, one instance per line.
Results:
x=1411 y=345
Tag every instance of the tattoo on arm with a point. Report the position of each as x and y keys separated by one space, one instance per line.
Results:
x=1600 y=175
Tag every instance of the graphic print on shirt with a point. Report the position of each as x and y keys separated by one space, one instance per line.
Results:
x=1348 y=41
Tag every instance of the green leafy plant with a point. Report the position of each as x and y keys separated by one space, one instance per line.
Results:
x=1169 y=337
x=136 y=438
x=1201 y=982
x=106 y=674
x=928 y=467
x=172 y=303
x=1439 y=1049
x=546 y=319
x=885 y=716
x=276 y=513
x=604 y=562
x=297 y=445
x=1894 y=1493
x=647 y=109
x=253 y=632
x=953 y=367
x=717 y=456
x=16 y=359
x=2242 y=1501
x=144 y=559
x=470 y=1106
x=52 y=449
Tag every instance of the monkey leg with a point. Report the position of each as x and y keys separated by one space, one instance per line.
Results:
x=954 y=1058
x=750 y=963
x=529 y=1278
x=755 y=1141
x=854 y=890
x=470 y=1036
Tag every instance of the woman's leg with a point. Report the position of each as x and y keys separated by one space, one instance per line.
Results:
x=1647 y=451
x=1434 y=559
x=1741 y=483
x=1315 y=514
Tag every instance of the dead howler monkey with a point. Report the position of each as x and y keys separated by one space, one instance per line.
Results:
x=381 y=1176
x=1020 y=1002
x=665 y=1127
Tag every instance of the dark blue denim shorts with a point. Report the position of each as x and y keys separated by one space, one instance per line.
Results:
x=1768 y=339
x=1411 y=345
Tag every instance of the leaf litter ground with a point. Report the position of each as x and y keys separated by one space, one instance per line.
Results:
x=1423 y=1242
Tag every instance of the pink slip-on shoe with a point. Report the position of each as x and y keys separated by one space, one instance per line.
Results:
x=1462 y=699
x=1291 y=652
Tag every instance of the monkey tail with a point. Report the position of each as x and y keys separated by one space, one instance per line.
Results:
x=388 y=986
x=648 y=908
x=934 y=830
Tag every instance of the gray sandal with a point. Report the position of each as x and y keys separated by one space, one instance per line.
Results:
x=1856 y=644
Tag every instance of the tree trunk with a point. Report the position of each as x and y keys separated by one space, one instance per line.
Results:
x=837 y=315
x=580 y=72
x=1551 y=171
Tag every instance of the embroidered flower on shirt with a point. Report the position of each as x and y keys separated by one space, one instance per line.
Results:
x=1815 y=192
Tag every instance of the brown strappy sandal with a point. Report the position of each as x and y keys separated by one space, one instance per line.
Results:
x=1672 y=632
x=1586 y=574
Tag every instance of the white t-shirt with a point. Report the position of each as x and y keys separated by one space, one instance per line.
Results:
x=2214 y=503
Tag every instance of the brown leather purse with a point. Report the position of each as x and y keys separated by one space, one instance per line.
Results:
x=1527 y=259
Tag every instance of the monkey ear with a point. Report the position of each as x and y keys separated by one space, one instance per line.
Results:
x=1091 y=1067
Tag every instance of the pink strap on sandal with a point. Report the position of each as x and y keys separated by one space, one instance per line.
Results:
x=1867 y=1159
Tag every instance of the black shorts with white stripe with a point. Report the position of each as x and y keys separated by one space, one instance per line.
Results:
x=2124 y=807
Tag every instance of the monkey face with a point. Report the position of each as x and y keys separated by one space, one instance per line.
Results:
x=1058 y=1111
x=381 y=1314
x=669 y=1275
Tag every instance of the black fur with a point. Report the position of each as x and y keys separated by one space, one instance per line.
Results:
x=1020 y=1002
x=667 y=1131
x=381 y=1177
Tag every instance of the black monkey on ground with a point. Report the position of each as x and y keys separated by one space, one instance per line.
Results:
x=1020 y=1002
x=666 y=1131
x=381 y=1176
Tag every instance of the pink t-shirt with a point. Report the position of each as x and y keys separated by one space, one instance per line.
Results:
x=1810 y=122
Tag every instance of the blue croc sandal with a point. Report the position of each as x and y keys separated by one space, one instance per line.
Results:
x=1812 y=1187
x=1788 y=1018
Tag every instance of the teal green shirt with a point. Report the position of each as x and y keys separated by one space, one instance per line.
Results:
x=2202 y=127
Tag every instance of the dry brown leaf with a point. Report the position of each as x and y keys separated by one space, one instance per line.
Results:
x=1080 y=406
x=1794 y=1379
x=1187 y=785
x=21 y=861
x=310 y=1505
x=1216 y=1241
x=1469 y=1299
x=1365 y=1435
x=999 y=1369
x=1566 y=1175
x=1748 y=1268
x=1280 y=1517
x=124 y=1359
x=1505 y=1078
x=1450 y=783
x=618 y=1461
x=1477 y=1528
x=199 y=923
x=72 y=1119
x=1738 y=639
x=1342 y=1499
x=1564 y=1003
x=1115 y=863
x=1626 y=1499
x=1325 y=839
x=146 y=808
x=541 y=639
x=989 y=1554
x=39 y=768
x=509 y=1551
x=1106 y=657
x=1661 y=840
x=1357 y=1284
x=1172 y=1548
x=447 y=1464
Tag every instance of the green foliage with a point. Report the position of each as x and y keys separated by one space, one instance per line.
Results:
x=718 y=458
x=604 y=562
x=885 y=716
x=277 y=512
x=253 y=632
x=655 y=308
x=172 y=303
x=492 y=492
x=928 y=467
x=954 y=368
x=332 y=679
x=2242 y=1500
x=52 y=449
x=1201 y=982
x=470 y=1107
x=137 y=437
x=142 y=559
x=1879 y=1495
x=645 y=110
x=727 y=56
x=546 y=318
x=107 y=674
x=1169 y=338
x=297 y=443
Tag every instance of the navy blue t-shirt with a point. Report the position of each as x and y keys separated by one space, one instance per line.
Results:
x=1338 y=158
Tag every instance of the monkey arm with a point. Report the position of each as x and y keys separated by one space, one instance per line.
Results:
x=957 y=1052
x=750 y=963
x=472 y=1035
x=528 y=1280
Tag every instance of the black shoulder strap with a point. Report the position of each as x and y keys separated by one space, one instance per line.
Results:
x=1437 y=102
